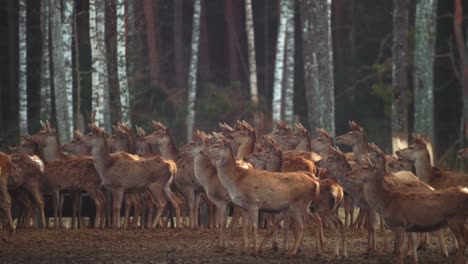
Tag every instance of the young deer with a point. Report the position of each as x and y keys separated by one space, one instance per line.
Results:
x=120 y=174
x=256 y=190
x=5 y=199
x=70 y=173
x=415 y=211
x=434 y=177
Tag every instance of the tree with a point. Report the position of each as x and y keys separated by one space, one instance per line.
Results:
x=232 y=57
x=67 y=34
x=279 y=62
x=22 y=83
x=423 y=65
x=289 y=67
x=192 y=81
x=122 y=62
x=63 y=102
x=400 y=75
x=179 y=58
x=100 y=86
x=46 y=94
x=318 y=63
x=151 y=35
x=251 y=49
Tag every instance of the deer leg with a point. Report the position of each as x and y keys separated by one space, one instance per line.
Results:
x=236 y=213
x=253 y=218
x=137 y=211
x=173 y=200
x=55 y=202
x=457 y=226
x=222 y=216
x=443 y=247
x=414 y=252
x=60 y=208
x=161 y=202
x=96 y=195
x=6 y=205
x=38 y=200
x=117 y=197
x=75 y=197
x=128 y=206
x=399 y=243
x=196 y=207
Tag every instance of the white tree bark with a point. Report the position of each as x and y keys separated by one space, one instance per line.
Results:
x=67 y=33
x=22 y=82
x=100 y=93
x=423 y=77
x=46 y=96
x=251 y=51
x=122 y=62
x=318 y=63
x=192 y=82
x=289 y=67
x=279 y=62
x=58 y=59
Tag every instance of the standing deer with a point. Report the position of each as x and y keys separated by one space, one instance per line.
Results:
x=5 y=199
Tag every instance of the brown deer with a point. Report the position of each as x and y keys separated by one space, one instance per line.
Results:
x=257 y=190
x=415 y=211
x=323 y=145
x=434 y=177
x=26 y=174
x=185 y=179
x=120 y=174
x=70 y=173
x=5 y=198
x=463 y=153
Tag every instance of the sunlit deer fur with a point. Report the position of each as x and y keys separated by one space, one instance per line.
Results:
x=255 y=190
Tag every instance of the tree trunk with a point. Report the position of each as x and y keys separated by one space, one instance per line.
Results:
x=179 y=58
x=60 y=83
x=23 y=73
x=463 y=62
x=131 y=46
x=400 y=75
x=151 y=35
x=289 y=68
x=192 y=81
x=67 y=34
x=251 y=51
x=423 y=65
x=100 y=99
x=279 y=62
x=79 y=120
x=46 y=94
x=232 y=57
x=318 y=63
x=122 y=63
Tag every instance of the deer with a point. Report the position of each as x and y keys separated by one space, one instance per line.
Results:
x=26 y=175
x=67 y=173
x=325 y=206
x=120 y=174
x=436 y=178
x=257 y=190
x=5 y=198
x=185 y=179
x=418 y=210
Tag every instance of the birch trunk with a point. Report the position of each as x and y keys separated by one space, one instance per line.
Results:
x=122 y=63
x=46 y=101
x=192 y=81
x=60 y=85
x=400 y=75
x=100 y=93
x=423 y=77
x=279 y=62
x=22 y=62
x=67 y=33
x=318 y=63
x=462 y=51
x=251 y=51
x=289 y=67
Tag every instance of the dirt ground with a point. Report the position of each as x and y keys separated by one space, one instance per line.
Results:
x=180 y=246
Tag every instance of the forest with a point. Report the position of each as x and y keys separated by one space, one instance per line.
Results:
x=395 y=67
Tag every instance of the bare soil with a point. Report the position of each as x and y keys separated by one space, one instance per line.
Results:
x=182 y=246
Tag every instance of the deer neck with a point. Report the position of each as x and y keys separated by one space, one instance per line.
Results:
x=246 y=148
x=228 y=172
x=326 y=151
x=304 y=145
x=169 y=150
x=360 y=149
x=377 y=196
x=424 y=169
x=52 y=152
x=275 y=163
x=101 y=157
x=203 y=166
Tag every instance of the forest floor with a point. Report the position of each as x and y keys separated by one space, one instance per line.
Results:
x=183 y=246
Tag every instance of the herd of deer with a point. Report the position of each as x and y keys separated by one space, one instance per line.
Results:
x=284 y=179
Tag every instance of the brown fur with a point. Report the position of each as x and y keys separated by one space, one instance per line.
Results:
x=5 y=199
